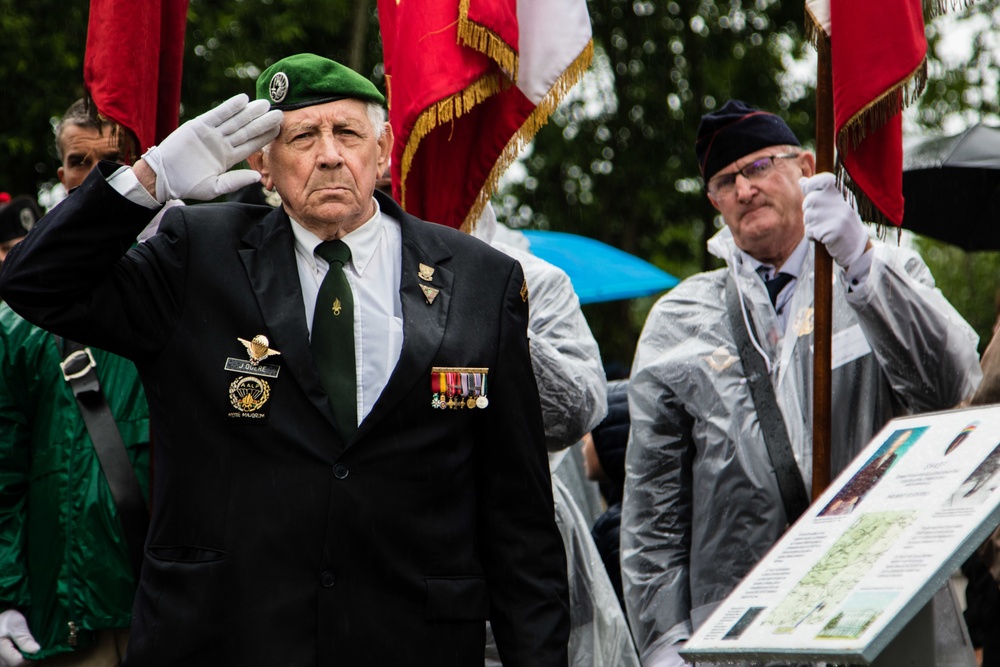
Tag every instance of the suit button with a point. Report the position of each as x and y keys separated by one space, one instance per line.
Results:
x=327 y=579
x=340 y=471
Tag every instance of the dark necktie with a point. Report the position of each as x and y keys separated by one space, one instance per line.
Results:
x=776 y=284
x=333 y=338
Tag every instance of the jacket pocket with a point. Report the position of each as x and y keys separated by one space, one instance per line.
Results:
x=457 y=599
x=185 y=554
x=184 y=606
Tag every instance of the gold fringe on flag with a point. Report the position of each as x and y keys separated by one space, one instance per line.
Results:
x=487 y=42
x=878 y=112
x=870 y=118
x=865 y=207
x=934 y=8
x=814 y=32
x=538 y=118
x=446 y=111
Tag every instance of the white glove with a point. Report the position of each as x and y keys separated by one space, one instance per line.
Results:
x=193 y=161
x=14 y=634
x=665 y=655
x=830 y=220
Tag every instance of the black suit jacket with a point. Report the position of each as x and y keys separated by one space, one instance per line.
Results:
x=273 y=541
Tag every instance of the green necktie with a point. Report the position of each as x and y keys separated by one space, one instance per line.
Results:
x=333 y=338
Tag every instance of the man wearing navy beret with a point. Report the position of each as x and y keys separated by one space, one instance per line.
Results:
x=709 y=485
x=350 y=467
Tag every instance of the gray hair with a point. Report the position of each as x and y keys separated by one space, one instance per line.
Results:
x=82 y=115
x=377 y=116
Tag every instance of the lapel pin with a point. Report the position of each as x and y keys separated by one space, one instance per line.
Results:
x=425 y=272
x=524 y=291
x=430 y=293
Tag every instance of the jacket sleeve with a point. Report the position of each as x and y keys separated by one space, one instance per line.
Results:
x=15 y=441
x=76 y=274
x=657 y=507
x=564 y=355
x=522 y=551
x=925 y=348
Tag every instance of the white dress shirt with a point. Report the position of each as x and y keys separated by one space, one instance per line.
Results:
x=374 y=274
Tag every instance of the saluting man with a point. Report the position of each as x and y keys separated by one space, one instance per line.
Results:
x=350 y=463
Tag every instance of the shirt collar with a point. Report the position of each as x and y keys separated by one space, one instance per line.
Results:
x=792 y=265
x=363 y=241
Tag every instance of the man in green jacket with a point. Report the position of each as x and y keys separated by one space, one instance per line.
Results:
x=66 y=583
x=65 y=576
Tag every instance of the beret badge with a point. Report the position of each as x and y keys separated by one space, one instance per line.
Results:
x=278 y=88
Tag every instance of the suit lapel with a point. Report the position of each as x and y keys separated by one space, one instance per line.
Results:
x=269 y=259
x=423 y=321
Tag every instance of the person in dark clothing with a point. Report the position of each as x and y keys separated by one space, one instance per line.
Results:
x=604 y=460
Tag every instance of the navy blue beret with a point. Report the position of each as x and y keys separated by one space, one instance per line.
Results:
x=734 y=131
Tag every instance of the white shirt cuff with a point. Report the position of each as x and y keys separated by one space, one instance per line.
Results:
x=127 y=185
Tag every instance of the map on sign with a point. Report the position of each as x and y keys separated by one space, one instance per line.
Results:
x=835 y=575
x=871 y=551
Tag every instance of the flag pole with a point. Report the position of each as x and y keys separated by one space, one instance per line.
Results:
x=823 y=283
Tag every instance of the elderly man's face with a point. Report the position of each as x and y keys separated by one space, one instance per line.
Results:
x=82 y=148
x=765 y=214
x=324 y=164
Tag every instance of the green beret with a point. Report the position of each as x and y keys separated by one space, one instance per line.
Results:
x=305 y=79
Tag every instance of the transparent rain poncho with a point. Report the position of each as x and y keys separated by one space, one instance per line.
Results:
x=701 y=502
x=573 y=391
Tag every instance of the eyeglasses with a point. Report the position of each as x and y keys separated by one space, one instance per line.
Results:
x=724 y=186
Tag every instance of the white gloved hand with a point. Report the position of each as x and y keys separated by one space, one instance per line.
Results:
x=14 y=634
x=830 y=220
x=193 y=161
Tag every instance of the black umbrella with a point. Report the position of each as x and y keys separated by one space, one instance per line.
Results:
x=952 y=188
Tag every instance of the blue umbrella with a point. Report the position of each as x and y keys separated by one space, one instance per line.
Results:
x=598 y=271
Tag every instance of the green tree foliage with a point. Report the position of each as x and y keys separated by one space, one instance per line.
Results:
x=228 y=42
x=41 y=73
x=970 y=280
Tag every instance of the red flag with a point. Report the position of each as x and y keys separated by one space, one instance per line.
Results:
x=470 y=82
x=878 y=60
x=132 y=67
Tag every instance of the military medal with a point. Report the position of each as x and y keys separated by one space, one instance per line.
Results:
x=452 y=391
x=439 y=389
x=458 y=388
x=481 y=400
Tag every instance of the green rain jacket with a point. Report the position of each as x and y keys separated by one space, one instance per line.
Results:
x=63 y=558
